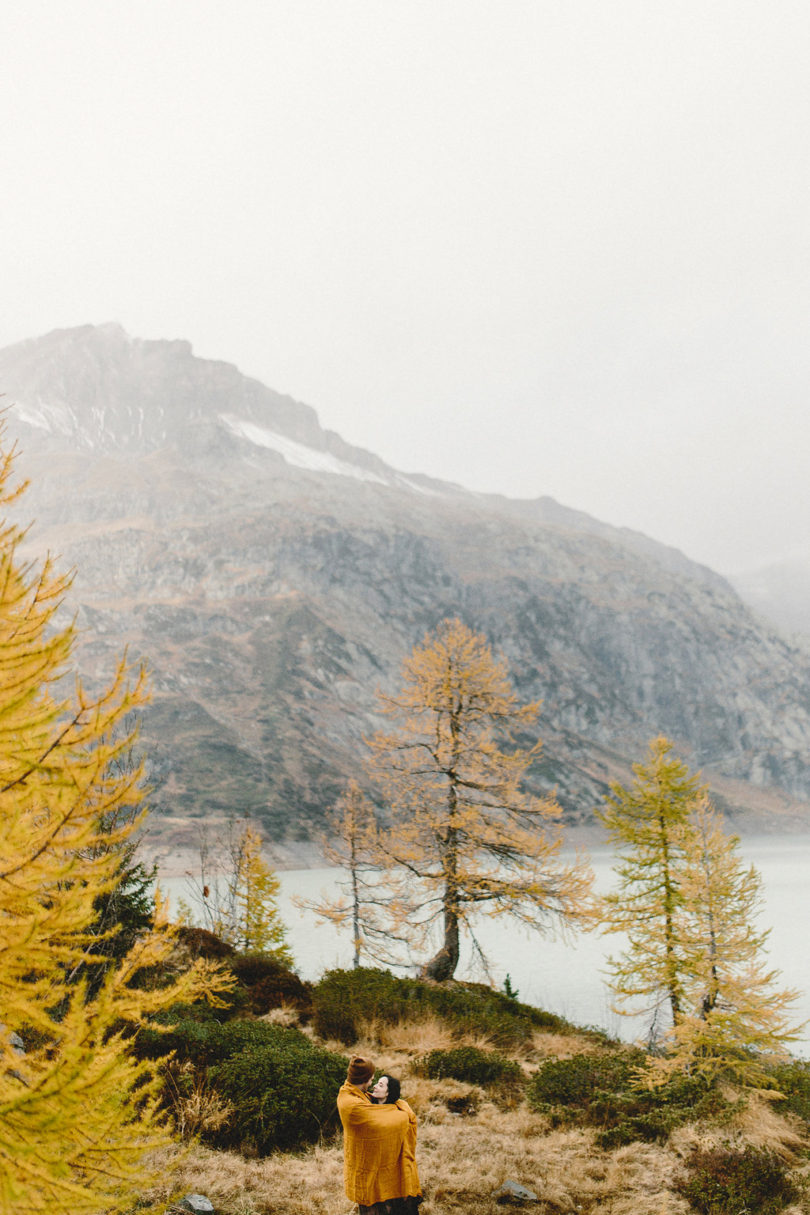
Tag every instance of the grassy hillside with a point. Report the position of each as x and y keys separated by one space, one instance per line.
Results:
x=501 y=1091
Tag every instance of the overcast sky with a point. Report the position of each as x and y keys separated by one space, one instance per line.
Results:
x=550 y=247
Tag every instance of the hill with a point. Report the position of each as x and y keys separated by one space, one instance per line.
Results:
x=552 y=1109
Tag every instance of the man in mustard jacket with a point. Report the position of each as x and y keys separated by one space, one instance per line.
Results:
x=379 y=1166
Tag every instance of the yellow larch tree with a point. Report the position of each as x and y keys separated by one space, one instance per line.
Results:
x=235 y=893
x=350 y=842
x=648 y=823
x=734 y=1021
x=77 y=1110
x=258 y=922
x=462 y=834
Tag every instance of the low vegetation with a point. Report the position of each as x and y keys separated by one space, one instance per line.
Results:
x=604 y=1091
x=501 y=1090
x=724 y=1179
x=345 y=1001
x=487 y=1068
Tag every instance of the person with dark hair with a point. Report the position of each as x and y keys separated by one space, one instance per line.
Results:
x=379 y=1164
x=386 y=1091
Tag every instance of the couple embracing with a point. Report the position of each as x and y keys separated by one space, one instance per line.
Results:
x=379 y=1143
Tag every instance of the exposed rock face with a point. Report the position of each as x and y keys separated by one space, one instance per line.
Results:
x=275 y=577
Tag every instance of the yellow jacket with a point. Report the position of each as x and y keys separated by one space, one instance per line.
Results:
x=379 y=1148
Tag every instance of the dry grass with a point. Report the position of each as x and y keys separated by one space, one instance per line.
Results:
x=468 y=1147
x=758 y=1124
x=285 y=1015
x=307 y=1184
x=409 y=1038
x=462 y=1160
x=470 y=1159
x=761 y=1124
x=195 y=1108
x=549 y=1045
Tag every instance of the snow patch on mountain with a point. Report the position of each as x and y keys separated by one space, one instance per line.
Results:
x=298 y=453
x=311 y=458
x=49 y=417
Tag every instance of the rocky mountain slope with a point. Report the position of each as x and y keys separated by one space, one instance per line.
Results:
x=275 y=577
x=781 y=593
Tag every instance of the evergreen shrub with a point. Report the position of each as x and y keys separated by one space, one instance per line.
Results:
x=471 y=1065
x=573 y=1083
x=180 y=1030
x=723 y=1180
x=205 y=1041
x=269 y=984
x=200 y=943
x=344 y=999
x=793 y=1080
x=603 y=1090
x=235 y=1037
x=283 y=1095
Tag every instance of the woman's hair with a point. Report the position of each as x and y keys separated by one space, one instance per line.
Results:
x=394 y=1089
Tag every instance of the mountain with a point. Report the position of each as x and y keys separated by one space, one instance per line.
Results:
x=275 y=577
x=780 y=592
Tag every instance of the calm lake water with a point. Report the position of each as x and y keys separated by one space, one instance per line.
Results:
x=568 y=976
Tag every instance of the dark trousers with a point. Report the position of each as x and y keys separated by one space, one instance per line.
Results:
x=392 y=1206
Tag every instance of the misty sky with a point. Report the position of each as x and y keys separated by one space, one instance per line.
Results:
x=534 y=247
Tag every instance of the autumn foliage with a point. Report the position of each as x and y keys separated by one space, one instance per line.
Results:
x=76 y=1110
x=462 y=833
x=689 y=906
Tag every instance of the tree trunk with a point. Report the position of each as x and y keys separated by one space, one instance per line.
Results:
x=355 y=902
x=443 y=965
x=673 y=985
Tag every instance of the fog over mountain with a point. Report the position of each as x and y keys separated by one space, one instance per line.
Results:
x=780 y=591
x=274 y=577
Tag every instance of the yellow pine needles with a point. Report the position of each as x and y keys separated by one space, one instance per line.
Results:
x=462 y=833
x=77 y=1109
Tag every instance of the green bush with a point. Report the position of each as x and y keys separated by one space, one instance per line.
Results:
x=206 y=1041
x=474 y=1066
x=238 y=1036
x=283 y=1095
x=602 y=1090
x=793 y=1080
x=345 y=998
x=269 y=984
x=282 y=1088
x=578 y=1081
x=720 y=1181
x=178 y=1030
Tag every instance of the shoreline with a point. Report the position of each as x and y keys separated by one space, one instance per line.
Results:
x=174 y=845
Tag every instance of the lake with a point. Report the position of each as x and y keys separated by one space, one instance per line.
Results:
x=568 y=976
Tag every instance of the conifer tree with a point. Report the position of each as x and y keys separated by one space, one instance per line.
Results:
x=649 y=826
x=76 y=1109
x=463 y=835
x=350 y=842
x=258 y=924
x=689 y=906
x=733 y=1018
x=236 y=892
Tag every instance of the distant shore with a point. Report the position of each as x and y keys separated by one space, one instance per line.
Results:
x=174 y=845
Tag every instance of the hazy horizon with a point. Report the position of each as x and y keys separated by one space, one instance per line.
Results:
x=533 y=249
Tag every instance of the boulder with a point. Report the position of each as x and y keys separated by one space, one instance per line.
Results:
x=513 y=1192
x=198 y=1204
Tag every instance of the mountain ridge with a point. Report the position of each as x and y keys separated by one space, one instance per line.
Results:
x=274 y=589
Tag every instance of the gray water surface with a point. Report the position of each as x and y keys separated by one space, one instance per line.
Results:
x=568 y=976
